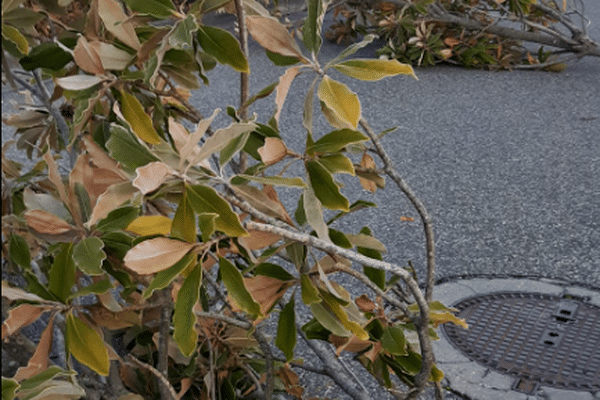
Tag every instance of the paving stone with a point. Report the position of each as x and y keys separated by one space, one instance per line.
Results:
x=558 y=394
x=452 y=292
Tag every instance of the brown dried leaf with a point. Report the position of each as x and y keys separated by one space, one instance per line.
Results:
x=155 y=255
x=291 y=381
x=258 y=240
x=266 y=291
x=44 y=222
x=365 y=304
x=451 y=42
x=39 y=361
x=151 y=176
x=273 y=151
x=100 y=158
x=368 y=162
x=406 y=219
x=13 y=294
x=352 y=344
x=86 y=57
x=285 y=81
x=273 y=36
x=56 y=179
x=95 y=180
x=117 y=23
x=112 y=198
x=21 y=316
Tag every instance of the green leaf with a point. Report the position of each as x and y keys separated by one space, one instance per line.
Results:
x=273 y=271
x=208 y=5
x=46 y=55
x=88 y=255
x=232 y=148
x=126 y=149
x=183 y=317
x=62 y=273
x=223 y=46
x=339 y=238
x=325 y=188
x=281 y=61
x=13 y=34
x=234 y=282
x=313 y=212
x=310 y=294
x=181 y=35
x=22 y=17
x=314 y=330
x=341 y=101
x=337 y=309
x=328 y=319
x=184 y=221
x=204 y=199
x=269 y=180
x=337 y=164
x=221 y=138
x=9 y=387
x=207 y=225
x=19 y=251
x=374 y=70
x=140 y=121
x=38 y=379
x=394 y=341
x=118 y=219
x=163 y=278
x=286 y=330
x=353 y=48
x=86 y=345
x=336 y=141
x=156 y=8
x=311 y=30
x=99 y=287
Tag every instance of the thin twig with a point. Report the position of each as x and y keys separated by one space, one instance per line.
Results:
x=163 y=344
x=171 y=390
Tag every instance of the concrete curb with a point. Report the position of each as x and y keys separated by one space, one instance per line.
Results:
x=477 y=382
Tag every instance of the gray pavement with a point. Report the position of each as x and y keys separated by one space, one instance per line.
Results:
x=508 y=163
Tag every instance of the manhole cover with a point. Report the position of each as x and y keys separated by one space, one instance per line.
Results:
x=539 y=339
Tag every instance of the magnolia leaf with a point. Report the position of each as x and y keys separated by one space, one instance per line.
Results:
x=44 y=222
x=46 y=55
x=138 y=119
x=127 y=149
x=183 y=317
x=88 y=255
x=163 y=278
x=223 y=46
x=9 y=387
x=273 y=36
x=157 y=8
x=259 y=200
x=329 y=320
x=325 y=188
x=311 y=30
x=270 y=180
x=149 y=225
x=266 y=291
x=440 y=314
x=184 y=221
x=257 y=240
x=285 y=81
x=86 y=345
x=314 y=213
x=367 y=241
x=393 y=341
x=87 y=58
x=286 y=330
x=19 y=251
x=220 y=139
x=13 y=34
x=336 y=141
x=333 y=303
x=273 y=271
x=310 y=294
x=112 y=57
x=273 y=151
x=232 y=148
x=155 y=255
x=307 y=109
x=13 y=294
x=111 y=199
x=117 y=23
x=41 y=379
x=151 y=176
x=337 y=164
x=342 y=102
x=79 y=82
x=118 y=219
x=41 y=357
x=370 y=181
x=181 y=36
x=62 y=274
x=373 y=70
x=45 y=202
x=190 y=149
x=99 y=288
x=19 y=317
x=353 y=48
x=281 y=61
x=204 y=199
x=233 y=280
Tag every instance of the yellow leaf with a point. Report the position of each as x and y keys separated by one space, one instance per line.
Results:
x=374 y=70
x=86 y=345
x=155 y=255
x=340 y=100
x=140 y=122
x=148 y=225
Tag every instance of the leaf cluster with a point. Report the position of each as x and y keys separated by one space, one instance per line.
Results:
x=151 y=215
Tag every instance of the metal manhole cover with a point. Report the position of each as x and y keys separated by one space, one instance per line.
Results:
x=539 y=339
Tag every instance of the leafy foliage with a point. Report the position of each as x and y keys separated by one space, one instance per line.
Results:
x=175 y=240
